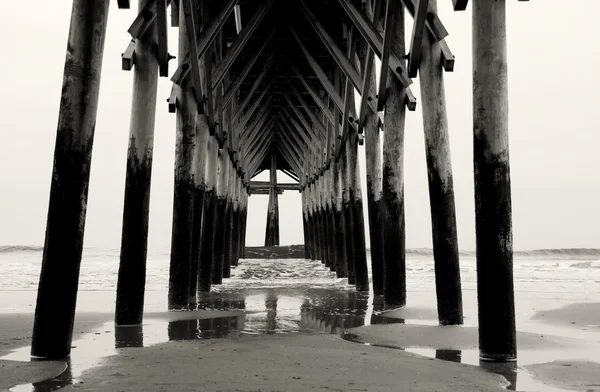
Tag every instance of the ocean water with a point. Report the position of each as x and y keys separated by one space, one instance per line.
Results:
x=554 y=275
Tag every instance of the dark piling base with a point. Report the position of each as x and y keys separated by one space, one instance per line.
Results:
x=445 y=252
x=350 y=254
x=331 y=256
x=205 y=258
x=181 y=246
x=360 y=252
x=376 y=236
x=131 y=282
x=219 y=234
x=196 y=234
x=495 y=288
x=341 y=265
x=228 y=236
x=235 y=242
x=394 y=248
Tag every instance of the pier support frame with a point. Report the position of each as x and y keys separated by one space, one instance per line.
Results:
x=493 y=211
x=394 y=250
x=181 y=240
x=441 y=187
x=59 y=278
x=131 y=281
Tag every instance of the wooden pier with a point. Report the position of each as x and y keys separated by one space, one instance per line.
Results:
x=270 y=85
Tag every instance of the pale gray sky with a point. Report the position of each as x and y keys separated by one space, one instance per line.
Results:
x=554 y=122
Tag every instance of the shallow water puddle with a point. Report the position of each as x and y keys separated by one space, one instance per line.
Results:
x=515 y=376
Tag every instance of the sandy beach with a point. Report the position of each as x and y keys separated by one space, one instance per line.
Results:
x=407 y=356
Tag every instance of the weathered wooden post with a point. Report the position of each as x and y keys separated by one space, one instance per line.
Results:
x=347 y=212
x=230 y=194
x=272 y=229
x=305 y=225
x=59 y=278
x=131 y=282
x=373 y=166
x=207 y=241
x=202 y=134
x=181 y=240
x=394 y=251
x=244 y=222
x=341 y=267
x=236 y=219
x=361 y=273
x=441 y=187
x=493 y=221
x=220 y=211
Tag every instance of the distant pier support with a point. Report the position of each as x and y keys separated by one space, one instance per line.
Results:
x=207 y=237
x=441 y=187
x=493 y=220
x=136 y=208
x=57 y=291
x=272 y=229
x=220 y=213
x=235 y=221
x=361 y=274
x=181 y=240
x=394 y=238
x=200 y=149
x=341 y=264
x=370 y=121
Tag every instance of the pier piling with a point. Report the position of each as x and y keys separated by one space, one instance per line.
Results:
x=131 y=281
x=441 y=186
x=394 y=236
x=493 y=211
x=63 y=246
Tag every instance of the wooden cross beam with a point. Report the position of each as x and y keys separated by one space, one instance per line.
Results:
x=416 y=39
x=313 y=117
x=290 y=154
x=367 y=30
x=338 y=55
x=143 y=20
x=460 y=5
x=205 y=38
x=172 y=100
x=310 y=132
x=291 y=158
x=348 y=105
x=256 y=126
x=175 y=13
x=128 y=57
x=161 y=29
x=240 y=41
x=255 y=104
x=322 y=106
x=296 y=145
x=190 y=24
x=237 y=82
x=294 y=130
x=253 y=89
x=256 y=144
x=433 y=22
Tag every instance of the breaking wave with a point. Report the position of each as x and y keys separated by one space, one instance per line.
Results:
x=20 y=248
x=415 y=253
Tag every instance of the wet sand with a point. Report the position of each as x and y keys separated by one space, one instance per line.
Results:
x=187 y=361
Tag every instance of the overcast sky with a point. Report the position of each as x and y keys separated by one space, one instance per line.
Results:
x=554 y=89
